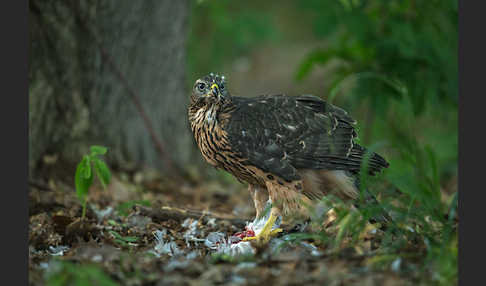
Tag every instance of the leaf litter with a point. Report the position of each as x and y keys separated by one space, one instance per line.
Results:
x=136 y=248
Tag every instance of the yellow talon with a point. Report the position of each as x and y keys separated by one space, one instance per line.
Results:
x=266 y=233
x=266 y=238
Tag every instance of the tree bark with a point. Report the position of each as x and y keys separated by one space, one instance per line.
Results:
x=88 y=61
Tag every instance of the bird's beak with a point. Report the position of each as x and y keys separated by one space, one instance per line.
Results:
x=215 y=90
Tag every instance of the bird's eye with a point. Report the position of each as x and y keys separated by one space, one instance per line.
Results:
x=201 y=86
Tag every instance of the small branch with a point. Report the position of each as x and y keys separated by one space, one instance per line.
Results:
x=166 y=213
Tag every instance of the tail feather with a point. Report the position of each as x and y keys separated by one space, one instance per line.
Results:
x=344 y=185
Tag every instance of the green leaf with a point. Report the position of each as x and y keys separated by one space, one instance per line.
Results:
x=112 y=222
x=97 y=275
x=453 y=207
x=98 y=150
x=121 y=242
x=435 y=183
x=102 y=171
x=86 y=167
x=130 y=238
x=68 y=273
x=343 y=227
x=122 y=239
x=82 y=280
x=115 y=234
x=81 y=181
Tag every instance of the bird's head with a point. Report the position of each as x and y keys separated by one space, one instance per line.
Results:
x=211 y=89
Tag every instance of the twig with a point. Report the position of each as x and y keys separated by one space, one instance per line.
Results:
x=166 y=213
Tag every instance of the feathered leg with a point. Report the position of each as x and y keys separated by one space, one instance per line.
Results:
x=286 y=200
x=260 y=198
x=282 y=199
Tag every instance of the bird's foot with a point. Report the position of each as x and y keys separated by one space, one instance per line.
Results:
x=263 y=237
x=266 y=233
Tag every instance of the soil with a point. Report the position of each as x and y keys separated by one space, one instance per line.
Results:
x=144 y=229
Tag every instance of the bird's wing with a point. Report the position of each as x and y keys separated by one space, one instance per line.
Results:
x=280 y=134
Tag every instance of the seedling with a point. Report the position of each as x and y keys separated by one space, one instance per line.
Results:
x=122 y=240
x=84 y=176
x=70 y=273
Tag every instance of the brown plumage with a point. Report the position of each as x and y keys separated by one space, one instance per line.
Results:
x=287 y=148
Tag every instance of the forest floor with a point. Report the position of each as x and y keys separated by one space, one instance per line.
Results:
x=147 y=230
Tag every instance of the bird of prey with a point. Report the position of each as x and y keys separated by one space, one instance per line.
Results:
x=284 y=147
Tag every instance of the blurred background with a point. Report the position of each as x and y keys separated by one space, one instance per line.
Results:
x=391 y=64
x=119 y=74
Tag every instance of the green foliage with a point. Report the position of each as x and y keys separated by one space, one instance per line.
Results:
x=411 y=190
x=422 y=219
x=84 y=176
x=397 y=65
x=226 y=30
x=122 y=240
x=414 y=41
x=68 y=273
x=393 y=65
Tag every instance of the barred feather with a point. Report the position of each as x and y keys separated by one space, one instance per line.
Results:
x=299 y=143
x=282 y=134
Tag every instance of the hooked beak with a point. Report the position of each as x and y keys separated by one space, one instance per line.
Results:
x=215 y=90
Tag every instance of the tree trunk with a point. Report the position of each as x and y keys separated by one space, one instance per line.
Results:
x=88 y=60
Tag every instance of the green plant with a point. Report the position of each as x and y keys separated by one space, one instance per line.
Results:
x=231 y=29
x=122 y=240
x=423 y=238
x=69 y=273
x=414 y=41
x=392 y=64
x=84 y=176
